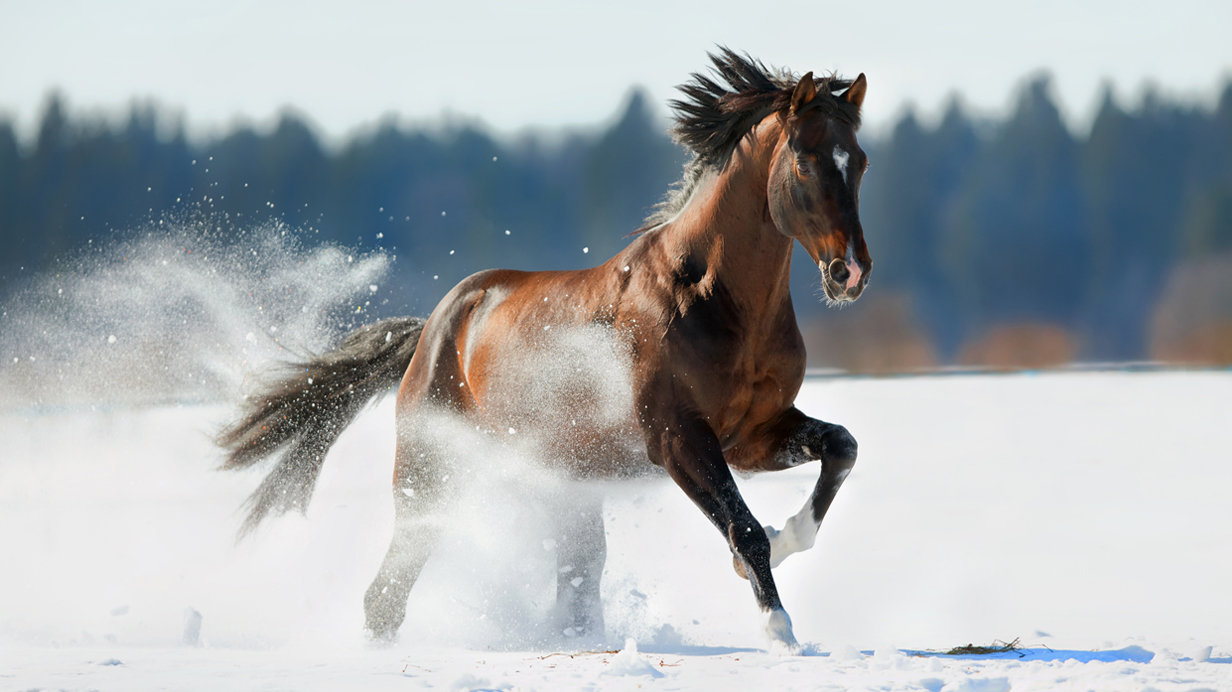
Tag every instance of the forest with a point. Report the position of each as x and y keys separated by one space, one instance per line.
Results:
x=1008 y=242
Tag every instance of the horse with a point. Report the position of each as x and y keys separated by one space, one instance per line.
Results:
x=696 y=311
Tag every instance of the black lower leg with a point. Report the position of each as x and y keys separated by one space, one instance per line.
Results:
x=839 y=451
x=751 y=552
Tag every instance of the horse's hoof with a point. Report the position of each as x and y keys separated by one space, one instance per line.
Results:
x=380 y=639
x=739 y=565
x=782 y=640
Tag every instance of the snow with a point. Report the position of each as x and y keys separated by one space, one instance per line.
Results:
x=628 y=662
x=1086 y=514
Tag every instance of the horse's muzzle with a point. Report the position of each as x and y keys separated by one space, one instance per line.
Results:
x=842 y=280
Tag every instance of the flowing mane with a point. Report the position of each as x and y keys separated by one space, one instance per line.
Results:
x=718 y=110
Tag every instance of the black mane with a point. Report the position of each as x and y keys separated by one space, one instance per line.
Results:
x=719 y=109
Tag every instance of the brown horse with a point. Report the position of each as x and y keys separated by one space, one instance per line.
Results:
x=694 y=316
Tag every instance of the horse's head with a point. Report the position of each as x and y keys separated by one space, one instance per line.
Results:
x=814 y=188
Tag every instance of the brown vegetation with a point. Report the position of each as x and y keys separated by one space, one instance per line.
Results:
x=881 y=336
x=1192 y=323
x=1020 y=346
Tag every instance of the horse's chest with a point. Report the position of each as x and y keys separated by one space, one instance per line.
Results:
x=729 y=345
x=756 y=381
x=749 y=404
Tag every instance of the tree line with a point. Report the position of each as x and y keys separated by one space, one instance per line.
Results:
x=973 y=224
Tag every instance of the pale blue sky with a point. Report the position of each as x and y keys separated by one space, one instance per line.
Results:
x=548 y=62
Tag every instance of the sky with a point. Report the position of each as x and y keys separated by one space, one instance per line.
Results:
x=551 y=63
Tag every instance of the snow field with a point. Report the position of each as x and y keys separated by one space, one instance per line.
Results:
x=453 y=669
x=1086 y=514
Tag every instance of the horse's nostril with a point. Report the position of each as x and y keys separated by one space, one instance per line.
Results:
x=839 y=271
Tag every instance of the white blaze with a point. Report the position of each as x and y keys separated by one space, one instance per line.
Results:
x=840 y=161
x=853 y=267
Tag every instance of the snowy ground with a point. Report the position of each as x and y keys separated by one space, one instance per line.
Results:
x=1087 y=515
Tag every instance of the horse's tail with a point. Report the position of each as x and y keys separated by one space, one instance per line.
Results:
x=305 y=407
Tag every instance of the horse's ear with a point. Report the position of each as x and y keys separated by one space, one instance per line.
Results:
x=806 y=91
x=855 y=93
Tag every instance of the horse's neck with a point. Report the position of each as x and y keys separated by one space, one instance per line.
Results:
x=727 y=223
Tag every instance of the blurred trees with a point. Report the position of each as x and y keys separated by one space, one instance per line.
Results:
x=1008 y=234
x=987 y=237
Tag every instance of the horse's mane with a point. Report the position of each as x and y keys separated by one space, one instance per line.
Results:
x=719 y=109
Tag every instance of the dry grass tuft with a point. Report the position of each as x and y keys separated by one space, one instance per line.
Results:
x=998 y=647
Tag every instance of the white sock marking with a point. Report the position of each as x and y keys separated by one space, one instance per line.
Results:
x=777 y=626
x=798 y=534
x=840 y=160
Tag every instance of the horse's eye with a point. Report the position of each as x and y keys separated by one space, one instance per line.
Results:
x=803 y=169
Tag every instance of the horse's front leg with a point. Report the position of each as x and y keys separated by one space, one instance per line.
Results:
x=798 y=439
x=690 y=452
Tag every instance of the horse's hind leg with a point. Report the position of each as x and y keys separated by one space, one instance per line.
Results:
x=419 y=499
x=581 y=551
x=415 y=534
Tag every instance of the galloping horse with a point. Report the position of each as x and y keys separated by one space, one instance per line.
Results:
x=697 y=311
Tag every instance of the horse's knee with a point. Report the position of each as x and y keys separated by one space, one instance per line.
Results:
x=750 y=552
x=838 y=449
x=749 y=542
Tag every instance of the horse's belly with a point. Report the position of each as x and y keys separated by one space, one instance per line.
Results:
x=569 y=396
